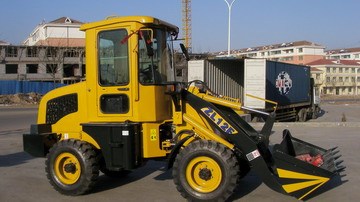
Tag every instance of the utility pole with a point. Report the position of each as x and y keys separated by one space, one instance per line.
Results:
x=229 y=4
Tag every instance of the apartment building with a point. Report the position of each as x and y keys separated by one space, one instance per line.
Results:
x=344 y=54
x=298 y=52
x=336 y=77
x=54 y=51
x=63 y=31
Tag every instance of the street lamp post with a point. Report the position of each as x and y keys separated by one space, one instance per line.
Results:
x=229 y=4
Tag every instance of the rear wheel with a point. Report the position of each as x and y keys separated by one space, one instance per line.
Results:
x=72 y=167
x=205 y=170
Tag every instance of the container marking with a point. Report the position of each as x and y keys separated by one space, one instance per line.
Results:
x=283 y=83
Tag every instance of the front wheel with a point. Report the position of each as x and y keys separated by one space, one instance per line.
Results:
x=205 y=171
x=72 y=167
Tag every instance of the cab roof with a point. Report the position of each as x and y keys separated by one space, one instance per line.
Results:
x=139 y=19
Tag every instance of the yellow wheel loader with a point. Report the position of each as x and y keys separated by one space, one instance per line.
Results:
x=130 y=109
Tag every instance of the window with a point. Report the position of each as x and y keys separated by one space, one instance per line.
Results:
x=352 y=70
x=113 y=57
x=113 y=104
x=340 y=79
x=179 y=72
x=72 y=53
x=356 y=55
x=155 y=56
x=32 y=68
x=317 y=76
x=289 y=51
x=275 y=52
x=51 y=51
x=328 y=79
x=11 y=51
x=31 y=52
x=350 y=89
x=330 y=90
x=334 y=69
x=340 y=70
x=301 y=57
x=334 y=79
x=287 y=59
x=51 y=68
x=346 y=70
x=250 y=55
x=300 y=50
x=353 y=79
x=11 y=69
x=328 y=70
x=346 y=79
x=69 y=70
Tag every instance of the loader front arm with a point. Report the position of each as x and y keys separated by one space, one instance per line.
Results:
x=221 y=124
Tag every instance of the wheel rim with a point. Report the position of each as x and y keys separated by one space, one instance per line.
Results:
x=67 y=168
x=203 y=174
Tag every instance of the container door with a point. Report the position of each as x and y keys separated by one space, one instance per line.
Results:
x=255 y=83
x=114 y=89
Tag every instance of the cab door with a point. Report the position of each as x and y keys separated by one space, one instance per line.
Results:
x=114 y=85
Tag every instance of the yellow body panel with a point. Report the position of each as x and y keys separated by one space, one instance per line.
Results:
x=151 y=141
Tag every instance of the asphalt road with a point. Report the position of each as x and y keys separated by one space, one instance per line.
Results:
x=22 y=178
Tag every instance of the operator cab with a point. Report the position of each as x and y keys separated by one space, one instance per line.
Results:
x=129 y=69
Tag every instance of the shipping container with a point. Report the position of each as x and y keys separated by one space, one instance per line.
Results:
x=249 y=79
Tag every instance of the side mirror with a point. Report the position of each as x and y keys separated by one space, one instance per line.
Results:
x=185 y=52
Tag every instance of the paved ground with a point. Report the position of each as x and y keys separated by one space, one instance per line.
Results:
x=22 y=178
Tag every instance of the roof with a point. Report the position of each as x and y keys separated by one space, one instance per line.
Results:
x=4 y=43
x=64 y=20
x=314 y=69
x=62 y=42
x=342 y=50
x=140 y=19
x=334 y=62
x=278 y=45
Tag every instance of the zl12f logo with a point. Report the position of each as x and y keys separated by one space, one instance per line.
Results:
x=283 y=83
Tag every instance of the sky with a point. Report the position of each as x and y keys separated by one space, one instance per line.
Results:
x=331 y=23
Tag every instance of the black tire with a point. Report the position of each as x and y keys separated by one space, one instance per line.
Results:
x=72 y=167
x=302 y=115
x=205 y=171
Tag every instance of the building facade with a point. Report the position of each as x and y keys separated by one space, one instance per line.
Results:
x=42 y=63
x=336 y=77
x=344 y=54
x=298 y=52
x=60 y=32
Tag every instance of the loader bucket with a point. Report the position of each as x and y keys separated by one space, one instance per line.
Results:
x=302 y=167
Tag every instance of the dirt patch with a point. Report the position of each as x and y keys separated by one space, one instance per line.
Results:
x=20 y=99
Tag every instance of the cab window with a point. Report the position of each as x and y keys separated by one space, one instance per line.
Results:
x=113 y=58
x=155 y=56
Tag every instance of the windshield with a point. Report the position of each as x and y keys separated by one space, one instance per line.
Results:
x=155 y=56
